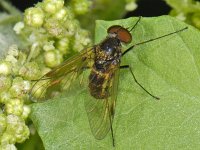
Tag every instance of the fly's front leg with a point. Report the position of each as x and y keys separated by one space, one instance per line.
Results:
x=128 y=67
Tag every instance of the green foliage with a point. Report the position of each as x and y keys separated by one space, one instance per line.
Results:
x=186 y=10
x=168 y=67
x=106 y=10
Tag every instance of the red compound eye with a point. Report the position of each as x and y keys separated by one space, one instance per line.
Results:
x=122 y=34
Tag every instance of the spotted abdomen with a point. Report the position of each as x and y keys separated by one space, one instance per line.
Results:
x=99 y=84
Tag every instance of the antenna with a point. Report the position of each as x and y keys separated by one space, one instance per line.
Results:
x=135 y=24
x=153 y=39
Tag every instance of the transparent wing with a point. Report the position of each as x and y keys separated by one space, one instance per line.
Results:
x=61 y=76
x=100 y=112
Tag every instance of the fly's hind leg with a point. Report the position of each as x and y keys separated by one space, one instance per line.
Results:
x=128 y=67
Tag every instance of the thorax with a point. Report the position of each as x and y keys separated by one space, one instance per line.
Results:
x=107 y=54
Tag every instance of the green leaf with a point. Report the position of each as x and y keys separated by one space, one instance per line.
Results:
x=168 y=68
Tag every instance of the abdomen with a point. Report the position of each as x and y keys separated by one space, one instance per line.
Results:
x=99 y=84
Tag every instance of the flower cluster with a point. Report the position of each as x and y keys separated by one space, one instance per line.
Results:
x=53 y=34
x=130 y=5
x=13 y=94
x=53 y=30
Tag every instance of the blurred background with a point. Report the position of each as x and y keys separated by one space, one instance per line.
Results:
x=145 y=7
x=185 y=10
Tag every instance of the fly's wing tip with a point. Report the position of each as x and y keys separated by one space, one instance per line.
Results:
x=32 y=98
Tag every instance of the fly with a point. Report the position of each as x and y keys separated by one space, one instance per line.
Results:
x=104 y=61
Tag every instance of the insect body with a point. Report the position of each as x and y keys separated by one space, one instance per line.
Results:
x=104 y=61
x=107 y=60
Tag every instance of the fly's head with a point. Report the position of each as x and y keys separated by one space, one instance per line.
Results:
x=120 y=33
x=112 y=44
x=109 y=51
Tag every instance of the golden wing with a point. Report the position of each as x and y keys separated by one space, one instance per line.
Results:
x=101 y=112
x=61 y=76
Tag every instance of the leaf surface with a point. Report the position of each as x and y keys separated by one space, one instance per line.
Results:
x=168 y=68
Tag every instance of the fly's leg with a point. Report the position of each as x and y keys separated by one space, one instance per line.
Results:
x=111 y=128
x=128 y=67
